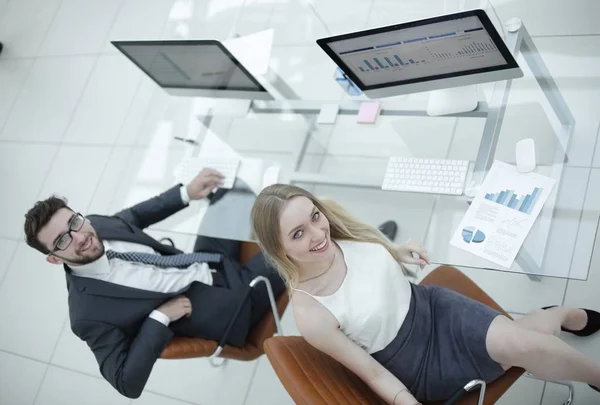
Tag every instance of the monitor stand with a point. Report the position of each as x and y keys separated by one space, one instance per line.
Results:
x=453 y=100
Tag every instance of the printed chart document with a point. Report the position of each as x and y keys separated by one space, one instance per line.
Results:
x=502 y=213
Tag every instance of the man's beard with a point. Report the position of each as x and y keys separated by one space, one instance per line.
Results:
x=93 y=254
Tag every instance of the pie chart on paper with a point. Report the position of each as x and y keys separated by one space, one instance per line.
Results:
x=472 y=235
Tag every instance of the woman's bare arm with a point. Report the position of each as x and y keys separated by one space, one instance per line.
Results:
x=320 y=328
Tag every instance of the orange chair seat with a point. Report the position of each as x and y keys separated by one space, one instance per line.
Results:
x=313 y=378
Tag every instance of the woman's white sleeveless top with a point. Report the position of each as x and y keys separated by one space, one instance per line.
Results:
x=374 y=298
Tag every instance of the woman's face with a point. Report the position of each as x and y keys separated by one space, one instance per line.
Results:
x=305 y=232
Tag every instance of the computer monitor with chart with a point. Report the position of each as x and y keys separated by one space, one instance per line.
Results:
x=435 y=53
x=202 y=68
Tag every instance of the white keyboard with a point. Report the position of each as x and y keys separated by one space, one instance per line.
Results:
x=438 y=176
x=190 y=167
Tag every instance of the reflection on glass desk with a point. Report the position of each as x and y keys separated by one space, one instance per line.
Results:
x=559 y=245
x=230 y=216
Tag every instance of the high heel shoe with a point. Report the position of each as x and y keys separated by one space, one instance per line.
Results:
x=592 y=326
x=389 y=229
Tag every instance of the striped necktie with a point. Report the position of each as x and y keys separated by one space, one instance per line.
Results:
x=182 y=260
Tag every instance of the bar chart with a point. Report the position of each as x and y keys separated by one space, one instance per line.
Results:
x=387 y=62
x=477 y=47
x=395 y=57
x=510 y=199
x=471 y=49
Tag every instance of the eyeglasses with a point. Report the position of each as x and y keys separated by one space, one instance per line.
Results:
x=64 y=240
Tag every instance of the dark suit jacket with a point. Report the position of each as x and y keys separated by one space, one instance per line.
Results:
x=113 y=319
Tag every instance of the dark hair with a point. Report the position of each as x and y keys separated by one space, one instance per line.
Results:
x=38 y=216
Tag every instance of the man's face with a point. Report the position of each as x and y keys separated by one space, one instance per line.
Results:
x=85 y=247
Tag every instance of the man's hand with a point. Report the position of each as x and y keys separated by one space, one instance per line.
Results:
x=176 y=308
x=204 y=183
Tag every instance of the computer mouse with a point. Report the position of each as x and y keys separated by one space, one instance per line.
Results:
x=525 y=155
x=471 y=191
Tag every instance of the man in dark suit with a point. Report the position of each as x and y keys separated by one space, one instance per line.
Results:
x=130 y=294
x=126 y=306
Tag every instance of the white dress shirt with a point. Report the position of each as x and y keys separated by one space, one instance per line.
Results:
x=144 y=276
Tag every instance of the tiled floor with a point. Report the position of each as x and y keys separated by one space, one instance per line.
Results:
x=78 y=119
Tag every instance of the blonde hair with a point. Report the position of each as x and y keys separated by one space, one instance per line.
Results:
x=265 y=224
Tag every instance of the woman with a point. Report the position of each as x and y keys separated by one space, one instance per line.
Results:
x=409 y=343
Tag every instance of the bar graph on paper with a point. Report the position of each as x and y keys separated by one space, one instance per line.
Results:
x=521 y=203
x=503 y=213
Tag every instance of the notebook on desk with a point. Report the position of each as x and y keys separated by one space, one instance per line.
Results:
x=368 y=113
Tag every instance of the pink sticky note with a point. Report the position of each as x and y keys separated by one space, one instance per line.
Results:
x=368 y=113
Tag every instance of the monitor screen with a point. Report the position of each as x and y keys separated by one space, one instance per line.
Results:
x=447 y=46
x=189 y=65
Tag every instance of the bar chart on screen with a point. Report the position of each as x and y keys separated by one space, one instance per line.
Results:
x=468 y=50
x=387 y=61
x=423 y=53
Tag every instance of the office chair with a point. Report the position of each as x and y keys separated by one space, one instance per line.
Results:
x=185 y=347
x=313 y=378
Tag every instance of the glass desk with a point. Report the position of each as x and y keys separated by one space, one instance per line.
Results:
x=346 y=162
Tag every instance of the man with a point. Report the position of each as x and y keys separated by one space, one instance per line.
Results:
x=128 y=307
x=129 y=294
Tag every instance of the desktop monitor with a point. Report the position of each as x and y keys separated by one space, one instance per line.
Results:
x=435 y=53
x=196 y=68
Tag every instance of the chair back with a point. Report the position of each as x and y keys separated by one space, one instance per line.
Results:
x=312 y=377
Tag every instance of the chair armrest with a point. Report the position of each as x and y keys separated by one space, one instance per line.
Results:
x=231 y=323
x=235 y=316
x=465 y=390
x=272 y=302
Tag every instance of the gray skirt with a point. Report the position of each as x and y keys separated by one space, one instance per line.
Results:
x=440 y=347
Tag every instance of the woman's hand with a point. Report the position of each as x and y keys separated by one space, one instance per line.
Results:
x=406 y=251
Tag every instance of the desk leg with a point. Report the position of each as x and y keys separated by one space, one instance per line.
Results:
x=528 y=265
x=298 y=154
x=493 y=124
x=519 y=41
